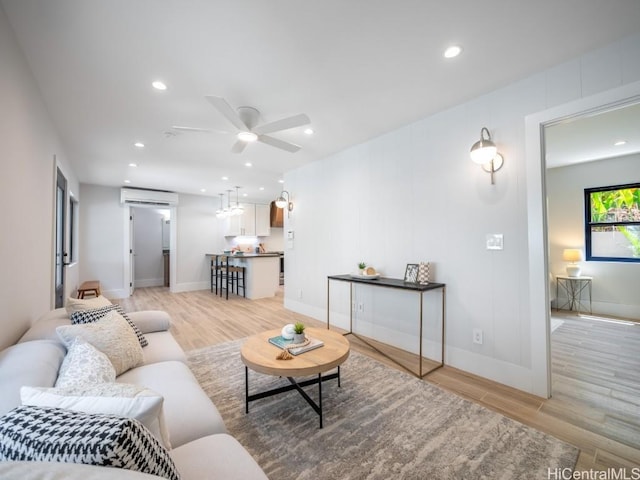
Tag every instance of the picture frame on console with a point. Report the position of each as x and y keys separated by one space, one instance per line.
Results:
x=411 y=273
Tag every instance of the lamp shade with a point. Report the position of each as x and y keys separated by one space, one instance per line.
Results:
x=572 y=255
x=483 y=150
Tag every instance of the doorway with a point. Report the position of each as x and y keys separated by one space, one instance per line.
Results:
x=538 y=252
x=149 y=246
x=60 y=256
x=593 y=356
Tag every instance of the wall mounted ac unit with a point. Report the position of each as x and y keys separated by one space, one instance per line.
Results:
x=135 y=196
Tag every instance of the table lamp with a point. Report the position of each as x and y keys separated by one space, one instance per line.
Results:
x=572 y=255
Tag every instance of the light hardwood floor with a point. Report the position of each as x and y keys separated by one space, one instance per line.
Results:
x=201 y=318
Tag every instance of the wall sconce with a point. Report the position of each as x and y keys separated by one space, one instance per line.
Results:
x=485 y=153
x=282 y=202
x=572 y=255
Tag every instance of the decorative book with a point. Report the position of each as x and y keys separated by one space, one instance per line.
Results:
x=283 y=343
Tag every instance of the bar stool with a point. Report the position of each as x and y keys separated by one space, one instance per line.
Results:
x=235 y=274
x=218 y=272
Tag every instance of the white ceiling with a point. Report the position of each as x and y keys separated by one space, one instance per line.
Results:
x=358 y=68
x=593 y=137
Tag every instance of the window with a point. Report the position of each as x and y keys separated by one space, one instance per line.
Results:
x=73 y=230
x=612 y=223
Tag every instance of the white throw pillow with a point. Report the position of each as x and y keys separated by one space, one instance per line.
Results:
x=112 y=335
x=78 y=304
x=84 y=364
x=122 y=399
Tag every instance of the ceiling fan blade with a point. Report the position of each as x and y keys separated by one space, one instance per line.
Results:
x=191 y=129
x=238 y=147
x=284 y=124
x=229 y=113
x=274 y=142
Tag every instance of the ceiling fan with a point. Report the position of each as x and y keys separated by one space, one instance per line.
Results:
x=245 y=119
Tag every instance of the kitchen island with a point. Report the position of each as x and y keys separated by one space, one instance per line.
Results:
x=262 y=272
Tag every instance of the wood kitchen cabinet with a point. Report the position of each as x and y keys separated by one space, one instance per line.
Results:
x=276 y=215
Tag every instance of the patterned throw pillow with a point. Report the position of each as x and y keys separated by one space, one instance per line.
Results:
x=48 y=434
x=77 y=304
x=122 y=399
x=112 y=335
x=84 y=364
x=95 y=314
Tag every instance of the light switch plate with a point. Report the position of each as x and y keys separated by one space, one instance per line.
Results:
x=495 y=241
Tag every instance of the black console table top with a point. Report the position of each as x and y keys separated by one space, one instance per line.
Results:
x=388 y=282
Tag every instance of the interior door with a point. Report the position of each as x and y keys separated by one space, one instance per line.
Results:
x=59 y=252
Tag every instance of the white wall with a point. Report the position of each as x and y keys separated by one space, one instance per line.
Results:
x=198 y=232
x=104 y=240
x=149 y=261
x=413 y=194
x=29 y=144
x=615 y=284
x=102 y=236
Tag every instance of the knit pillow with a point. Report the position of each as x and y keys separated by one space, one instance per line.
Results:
x=112 y=335
x=48 y=434
x=77 y=304
x=95 y=314
x=84 y=364
x=122 y=399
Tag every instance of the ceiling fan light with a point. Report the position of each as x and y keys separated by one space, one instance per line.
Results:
x=247 y=136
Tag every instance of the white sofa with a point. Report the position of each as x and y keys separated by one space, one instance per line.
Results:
x=201 y=448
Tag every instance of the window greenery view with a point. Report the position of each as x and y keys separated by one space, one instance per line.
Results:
x=612 y=226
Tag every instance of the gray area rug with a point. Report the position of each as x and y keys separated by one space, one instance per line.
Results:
x=380 y=424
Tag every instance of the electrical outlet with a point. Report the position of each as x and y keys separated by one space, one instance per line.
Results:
x=361 y=307
x=300 y=293
x=477 y=336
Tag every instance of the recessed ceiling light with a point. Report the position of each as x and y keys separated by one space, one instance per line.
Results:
x=308 y=131
x=245 y=194
x=203 y=190
x=281 y=181
x=139 y=144
x=158 y=85
x=261 y=188
x=248 y=164
x=127 y=181
x=225 y=178
x=620 y=142
x=133 y=164
x=452 y=51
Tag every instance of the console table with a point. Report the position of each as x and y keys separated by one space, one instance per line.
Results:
x=394 y=283
x=574 y=287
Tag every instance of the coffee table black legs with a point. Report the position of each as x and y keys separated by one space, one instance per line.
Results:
x=317 y=407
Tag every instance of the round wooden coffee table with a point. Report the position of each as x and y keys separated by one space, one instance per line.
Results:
x=260 y=356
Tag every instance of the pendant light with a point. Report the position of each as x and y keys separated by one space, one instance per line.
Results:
x=220 y=212
x=237 y=209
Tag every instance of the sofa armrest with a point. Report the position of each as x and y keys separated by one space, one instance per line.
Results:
x=149 y=321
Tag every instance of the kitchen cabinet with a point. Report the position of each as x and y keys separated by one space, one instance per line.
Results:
x=276 y=215
x=254 y=222
x=263 y=222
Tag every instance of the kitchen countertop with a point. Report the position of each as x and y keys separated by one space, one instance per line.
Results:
x=244 y=255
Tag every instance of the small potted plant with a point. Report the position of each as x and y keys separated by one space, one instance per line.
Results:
x=298 y=332
x=362 y=266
